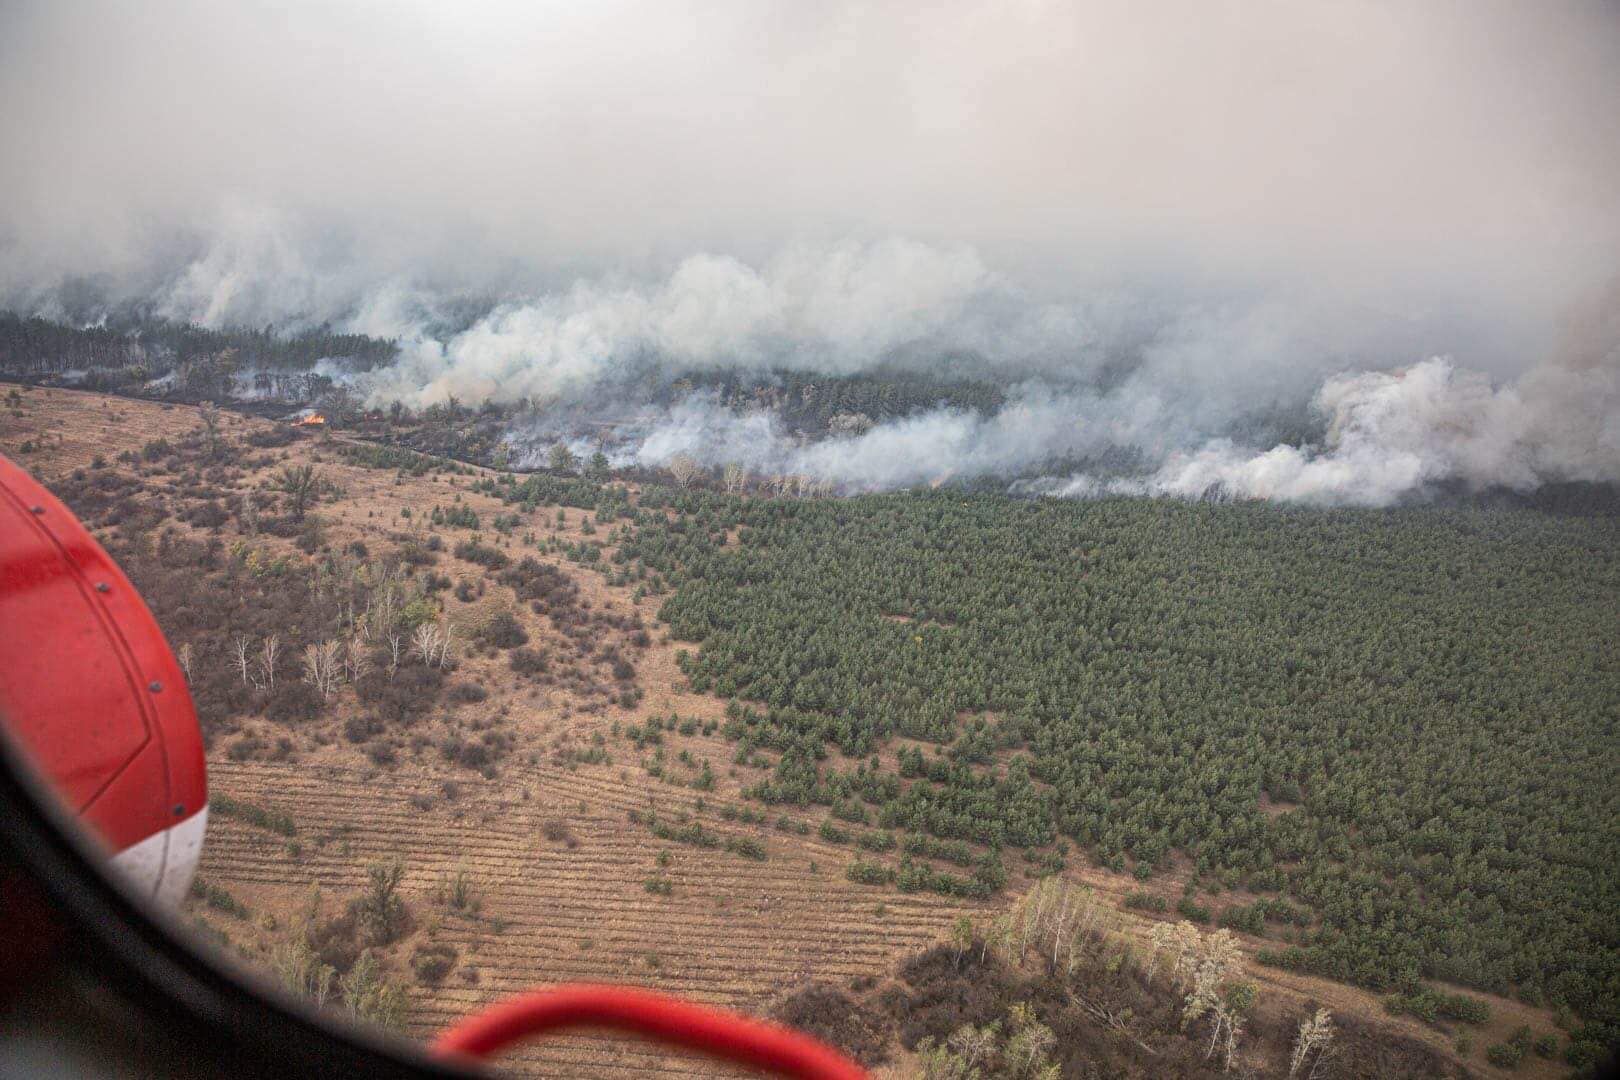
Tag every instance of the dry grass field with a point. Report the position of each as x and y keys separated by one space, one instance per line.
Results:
x=530 y=866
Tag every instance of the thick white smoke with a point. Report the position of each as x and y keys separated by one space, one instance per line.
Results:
x=1389 y=437
x=1167 y=228
x=838 y=309
x=1035 y=426
x=1395 y=435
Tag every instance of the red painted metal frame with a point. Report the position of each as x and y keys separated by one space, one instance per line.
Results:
x=88 y=686
x=719 y=1034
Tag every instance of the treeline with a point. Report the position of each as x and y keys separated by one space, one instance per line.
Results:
x=130 y=351
x=821 y=404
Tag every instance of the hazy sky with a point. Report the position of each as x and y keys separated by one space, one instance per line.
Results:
x=1401 y=217
x=1462 y=147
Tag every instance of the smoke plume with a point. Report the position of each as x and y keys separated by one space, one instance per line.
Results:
x=1333 y=254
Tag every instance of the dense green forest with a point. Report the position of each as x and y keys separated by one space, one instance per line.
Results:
x=1405 y=721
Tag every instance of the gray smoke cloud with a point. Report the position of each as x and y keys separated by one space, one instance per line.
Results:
x=838 y=309
x=1393 y=435
x=1162 y=225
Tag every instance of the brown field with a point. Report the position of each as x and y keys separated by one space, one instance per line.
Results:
x=733 y=932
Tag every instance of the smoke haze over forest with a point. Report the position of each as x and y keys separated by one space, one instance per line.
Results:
x=1334 y=254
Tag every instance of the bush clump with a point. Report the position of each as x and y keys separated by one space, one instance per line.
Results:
x=468 y=693
x=502 y=631
x=482 y=554
x=1141 y=900
x=432 y=961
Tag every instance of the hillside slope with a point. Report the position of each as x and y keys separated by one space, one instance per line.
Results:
x=523 y=798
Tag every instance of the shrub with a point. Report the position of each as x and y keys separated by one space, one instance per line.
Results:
x=413 y=553
x=952 y=851
x=411 y=692
x=371 y=995
x=481 y=755
x=1504 y=1055
x=459 y=516
x=218 y=899
x=1142 y=900
x=433 y=961
x=1464 y=1008
x=557 y=832
x=482 y=554
x=832 y=833
x=456 y=891
x=245 y=748
x=502 y=631
x=747 y=846
x=869 y=873
x=208 y=515
x=272 y=437
x=381 y=910
x=293 y=700
x=1250 y=919
x=468 y=693
x=1582 y=1054
x=358 y=729
x=875 y=841
x=223 y=805
x=527 y=661
x=837 y=1019
x=1194 y=911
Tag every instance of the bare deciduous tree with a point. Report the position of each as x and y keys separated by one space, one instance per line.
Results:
x=431 y=643
x=1184 y=946
x=338 y=405
x=974 y=1046
x=1026 y=1052
x=735 y=478
x=269 y=652
x=322 y=667
x=1315 y=1036
x=1229 y=1012
x=239 y=652
x=249 y=514
x=395 y=645
x=356 y=661
x=684 y=469
x=185 y=658
x=962 y=938
x=1161 y=936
